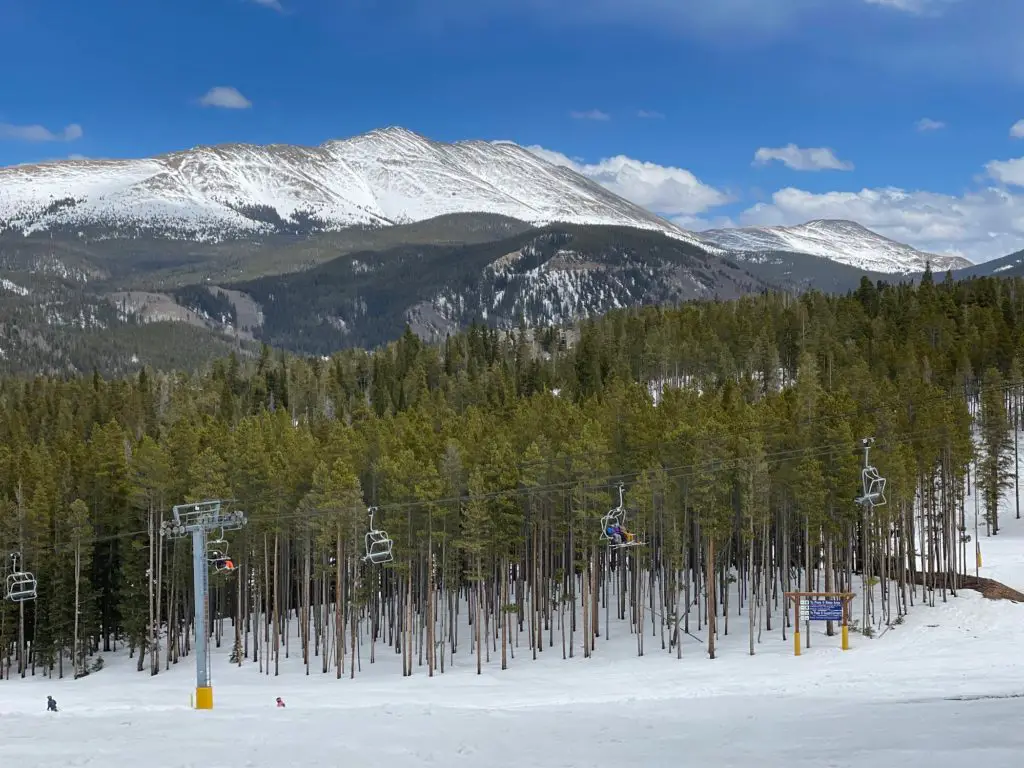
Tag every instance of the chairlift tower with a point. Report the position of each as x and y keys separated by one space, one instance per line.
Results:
x=197 y=520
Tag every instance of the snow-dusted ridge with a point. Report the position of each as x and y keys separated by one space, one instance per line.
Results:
x=842 y=241
x=384 y=177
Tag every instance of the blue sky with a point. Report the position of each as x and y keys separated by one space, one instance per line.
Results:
x=687 y=91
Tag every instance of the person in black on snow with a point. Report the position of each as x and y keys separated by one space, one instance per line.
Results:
x=51 y=704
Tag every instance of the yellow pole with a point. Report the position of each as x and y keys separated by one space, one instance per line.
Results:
x=846 y=623
x=796 y=642
x=204 y=698
x=977 y=547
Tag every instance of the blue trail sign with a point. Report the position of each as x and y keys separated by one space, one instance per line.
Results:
x=826 y=609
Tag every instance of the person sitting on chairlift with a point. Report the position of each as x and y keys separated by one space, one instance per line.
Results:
x=619 y=535
x=222 y=562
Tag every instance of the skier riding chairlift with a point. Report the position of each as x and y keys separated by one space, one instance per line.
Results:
x=619 y=535
x=221 y=562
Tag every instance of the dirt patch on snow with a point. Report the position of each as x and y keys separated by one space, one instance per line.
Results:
x=989 y=588
x=993 y=590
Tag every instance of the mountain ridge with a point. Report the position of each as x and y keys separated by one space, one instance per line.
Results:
x=380 y=178
x=384 y=178
x=840 y=240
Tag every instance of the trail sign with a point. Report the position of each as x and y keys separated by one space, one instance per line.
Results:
x=820 y=606
x=828 y=609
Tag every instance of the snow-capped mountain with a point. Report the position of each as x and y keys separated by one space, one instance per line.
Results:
x=384 y=177
x=845 y=242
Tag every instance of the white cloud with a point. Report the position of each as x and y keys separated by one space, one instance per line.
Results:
x=979 y=225
x=590 y=114
x=274 y=4
x=225 y=97
x=915 y=7
x=810 y=159
x=1007 y=171
x=671 y=192
x=39 y=132
x=982 y=224
x=927 y=124
x=1017 y=130
x=648 y=114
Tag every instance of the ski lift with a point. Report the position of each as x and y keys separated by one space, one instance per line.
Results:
x=873 y=486
x=378 y=544
x=217 y=555
x=614 y=518
x=21 y=585
x=872 y=483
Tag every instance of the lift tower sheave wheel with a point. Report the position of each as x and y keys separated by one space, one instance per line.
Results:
x=197 y=520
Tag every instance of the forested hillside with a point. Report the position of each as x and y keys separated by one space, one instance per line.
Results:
x=734 y=426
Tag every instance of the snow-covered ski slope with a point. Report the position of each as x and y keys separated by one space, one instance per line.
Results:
x=939 y=690
x=843 y=241
x=386 y=176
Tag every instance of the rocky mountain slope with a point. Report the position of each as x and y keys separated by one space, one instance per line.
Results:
x=1007 y=266
x=382 y=178
x=845 y=242
x=548 y=276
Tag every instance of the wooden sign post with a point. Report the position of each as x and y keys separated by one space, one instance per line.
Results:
x=821 y=606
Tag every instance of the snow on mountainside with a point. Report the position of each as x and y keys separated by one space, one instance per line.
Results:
x=843 y=241
x=388 y=176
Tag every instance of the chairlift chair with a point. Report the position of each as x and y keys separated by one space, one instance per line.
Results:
x=873 y=486
x=378 y=544
x=215 y=549
x=217 y=555
x=613 y=518
x=21 y=585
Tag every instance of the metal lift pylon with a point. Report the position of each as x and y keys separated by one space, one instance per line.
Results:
x=197 y=520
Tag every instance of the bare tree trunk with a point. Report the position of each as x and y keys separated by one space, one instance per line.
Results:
x=476 y=618
x=79 y=666
x=709 y=589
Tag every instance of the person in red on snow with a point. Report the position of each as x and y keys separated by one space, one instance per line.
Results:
x=280 y=702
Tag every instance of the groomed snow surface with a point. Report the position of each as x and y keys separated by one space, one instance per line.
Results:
x=940 y=689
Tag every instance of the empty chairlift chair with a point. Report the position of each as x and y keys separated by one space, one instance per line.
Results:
x=378 y=544
x=21 y=585
x=873 y=486
x=872 y=483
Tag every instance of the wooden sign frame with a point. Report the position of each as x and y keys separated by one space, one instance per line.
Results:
x=796 y=597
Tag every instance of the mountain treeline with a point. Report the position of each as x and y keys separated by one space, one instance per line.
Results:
x=734 y=428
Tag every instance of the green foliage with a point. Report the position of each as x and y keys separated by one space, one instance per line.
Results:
x=728 y=421
x=995 y=470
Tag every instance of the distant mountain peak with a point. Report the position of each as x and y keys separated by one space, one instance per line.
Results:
x=841 y=240
x=387 y=176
